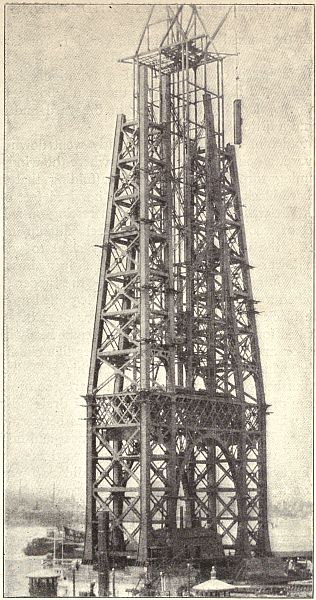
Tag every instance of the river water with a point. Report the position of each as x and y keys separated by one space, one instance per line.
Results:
x=17 y=565
x=285 y=535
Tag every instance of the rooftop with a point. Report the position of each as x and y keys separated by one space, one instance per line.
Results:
x=45 y=574
x=213 y=585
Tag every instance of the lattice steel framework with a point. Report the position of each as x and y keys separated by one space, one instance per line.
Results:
x=176 y=414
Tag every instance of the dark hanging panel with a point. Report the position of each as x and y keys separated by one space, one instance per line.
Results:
x=237 y=122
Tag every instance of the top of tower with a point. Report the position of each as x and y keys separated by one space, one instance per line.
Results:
x=171 y=30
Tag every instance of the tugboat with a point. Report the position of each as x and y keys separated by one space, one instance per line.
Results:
x=38 y=547
x=67 y=543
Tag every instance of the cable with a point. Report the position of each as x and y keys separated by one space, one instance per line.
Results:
x=236 y=50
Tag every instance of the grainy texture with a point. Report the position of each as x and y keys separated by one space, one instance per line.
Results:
x=63 y=90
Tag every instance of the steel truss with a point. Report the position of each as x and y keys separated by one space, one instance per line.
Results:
x=176 y=414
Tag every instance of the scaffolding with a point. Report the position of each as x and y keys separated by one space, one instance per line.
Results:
x=176 y=413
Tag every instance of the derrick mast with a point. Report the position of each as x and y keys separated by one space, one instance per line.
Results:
x=176 y=414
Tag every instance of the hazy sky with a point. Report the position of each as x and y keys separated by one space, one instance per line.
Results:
x=64 y=88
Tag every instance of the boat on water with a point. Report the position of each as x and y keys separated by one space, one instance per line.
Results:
x=64 y=543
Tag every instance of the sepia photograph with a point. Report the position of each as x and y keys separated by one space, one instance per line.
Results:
x=158 y=300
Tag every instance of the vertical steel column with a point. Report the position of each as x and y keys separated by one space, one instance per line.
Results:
x=192 y=490
x=103 y=544
x=214 y=189
x=177 y=166
x=188 y=245
x=188 y=232
x=230 y=327
x=211 y=485
x=118 y=543
x=263 y=540
x=211 y=190
x=91 y=518
x=90 y=531
x=105 y=259
x=263 y=543
x=145 y=352
x=188 y=514
x=166 y=142
x=242 y=540
x=189 y=208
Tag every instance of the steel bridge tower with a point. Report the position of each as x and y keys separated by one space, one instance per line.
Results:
x=176 y=413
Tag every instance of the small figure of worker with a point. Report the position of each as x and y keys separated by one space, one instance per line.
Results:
x=91 y=593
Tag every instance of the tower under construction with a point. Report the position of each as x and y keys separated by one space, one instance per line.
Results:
x=176 y=413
